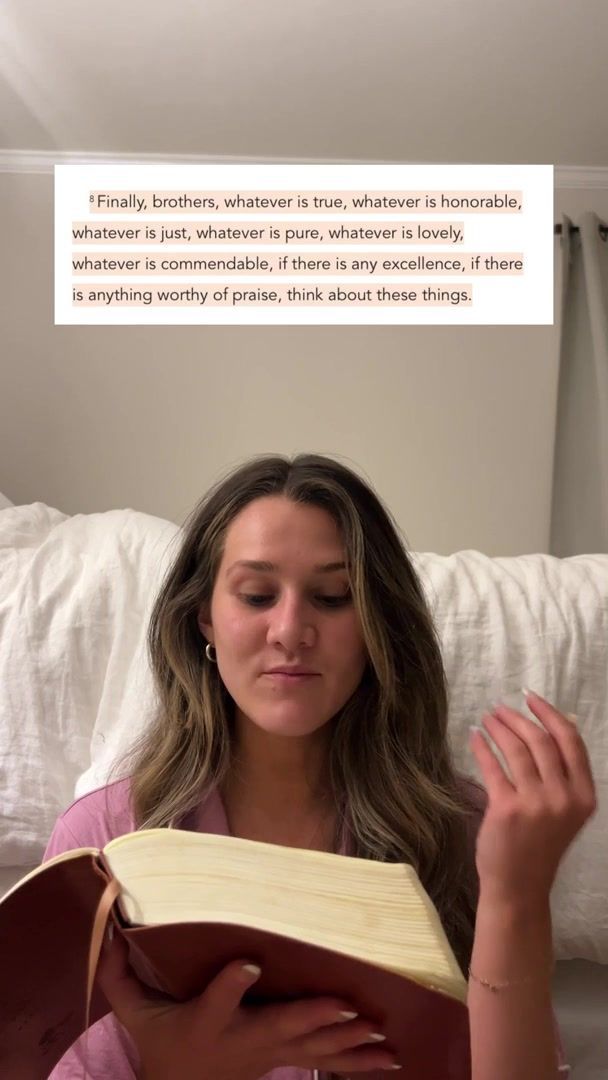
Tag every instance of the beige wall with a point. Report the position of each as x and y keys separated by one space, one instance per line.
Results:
x=454 y=426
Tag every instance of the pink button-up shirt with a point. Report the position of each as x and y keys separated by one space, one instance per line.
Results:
x=92 y=821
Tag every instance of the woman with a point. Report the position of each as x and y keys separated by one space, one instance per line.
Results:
x=291 y=565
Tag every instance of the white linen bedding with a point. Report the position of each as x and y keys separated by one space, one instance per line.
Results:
x=540 y=622
x=75 y=597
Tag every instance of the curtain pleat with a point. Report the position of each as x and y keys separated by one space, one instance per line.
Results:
x=579 y=501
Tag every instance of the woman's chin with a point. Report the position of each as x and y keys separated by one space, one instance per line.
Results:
x=288 y=722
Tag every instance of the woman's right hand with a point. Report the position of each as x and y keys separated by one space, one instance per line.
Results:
x=214 y=1037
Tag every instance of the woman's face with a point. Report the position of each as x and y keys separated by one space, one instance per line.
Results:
x=293 y=614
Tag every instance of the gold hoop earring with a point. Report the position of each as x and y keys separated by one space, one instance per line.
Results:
x=213 y=659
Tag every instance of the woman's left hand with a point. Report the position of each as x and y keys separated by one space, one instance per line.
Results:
x=530 y=821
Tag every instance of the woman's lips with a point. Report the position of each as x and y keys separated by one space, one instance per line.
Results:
x=283 y=678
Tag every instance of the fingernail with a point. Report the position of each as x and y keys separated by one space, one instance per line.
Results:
x=347 y=1015
x=531 y=693
x=474 y=727
x=252 y=970
x=572 y=717
x=376 y=1036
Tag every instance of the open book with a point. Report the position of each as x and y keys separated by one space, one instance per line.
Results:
x=188 y=903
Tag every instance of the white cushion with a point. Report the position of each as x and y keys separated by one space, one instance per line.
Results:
x=75 y=597
x=538 y=622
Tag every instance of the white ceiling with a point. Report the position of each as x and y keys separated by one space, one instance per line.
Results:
x=387 y=80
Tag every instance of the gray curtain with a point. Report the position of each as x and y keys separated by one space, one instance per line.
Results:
x=579 y=503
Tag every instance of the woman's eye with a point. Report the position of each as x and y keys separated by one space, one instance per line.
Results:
x=331 y=601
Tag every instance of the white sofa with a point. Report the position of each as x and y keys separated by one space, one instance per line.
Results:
x=75 y=596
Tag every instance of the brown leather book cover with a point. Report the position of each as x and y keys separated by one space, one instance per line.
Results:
x=45 y=934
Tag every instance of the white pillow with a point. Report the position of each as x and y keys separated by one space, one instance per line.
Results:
x=4 y=502
x=538 y=622
x=75 y=598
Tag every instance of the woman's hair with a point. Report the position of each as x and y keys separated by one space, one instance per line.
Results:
x=391 y=771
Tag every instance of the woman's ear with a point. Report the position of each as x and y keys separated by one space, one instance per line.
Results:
x=204 y=626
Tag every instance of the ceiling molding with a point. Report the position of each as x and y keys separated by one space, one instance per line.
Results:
x=580 y=176
x=42 y=161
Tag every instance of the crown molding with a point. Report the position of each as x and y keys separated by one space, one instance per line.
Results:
x=43 y=161
x=581 y=176
x=34 y=161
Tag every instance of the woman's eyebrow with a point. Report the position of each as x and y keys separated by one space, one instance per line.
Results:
x=256 y=564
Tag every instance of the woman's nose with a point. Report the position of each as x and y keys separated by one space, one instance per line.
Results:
x=292 y=624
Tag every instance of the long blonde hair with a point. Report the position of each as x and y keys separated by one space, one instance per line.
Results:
x=390 y=763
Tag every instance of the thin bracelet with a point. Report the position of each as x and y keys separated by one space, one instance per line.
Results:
x=502 y=986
